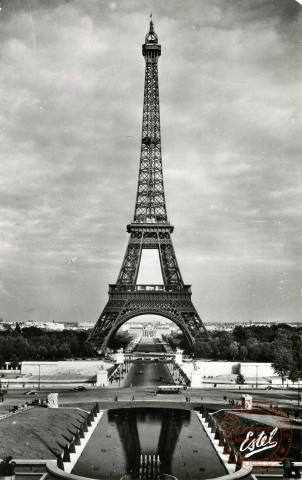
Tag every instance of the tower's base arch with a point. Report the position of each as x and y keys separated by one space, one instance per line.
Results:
x=176 y=307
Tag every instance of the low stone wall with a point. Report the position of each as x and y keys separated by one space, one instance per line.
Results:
x=81 y=367
x=226 y=372
x=248 y=369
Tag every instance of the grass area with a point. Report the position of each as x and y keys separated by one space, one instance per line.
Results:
x=39 y=433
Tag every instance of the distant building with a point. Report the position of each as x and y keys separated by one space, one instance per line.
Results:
x=85 y=325
x=229 y=326
x=47 y=326
x=155 y=330
x=7 y=325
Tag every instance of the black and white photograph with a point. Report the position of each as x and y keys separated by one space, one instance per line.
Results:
x=150 y=239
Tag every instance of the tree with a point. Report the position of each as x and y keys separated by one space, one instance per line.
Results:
x=294 y=373
x=202 y=349
x=240 y=333
x=240 y=379
x=32 y=351
x=18 y=329
x=6 y=347
x=233 y=350
x=53 y=351
x=74 y=343
x=254 y=349
x=225 y=340
x=43 y=352
x=32 y=332
x=14 y=360
x=2 y=360
x=64 y=350
x=283 y=361
x=214 y=344
x=267 y=351
x=243 y=352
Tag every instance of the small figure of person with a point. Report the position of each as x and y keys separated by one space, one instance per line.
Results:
x=133 y=399
x=7 y=468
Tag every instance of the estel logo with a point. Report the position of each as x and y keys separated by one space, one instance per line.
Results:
x=257 y=444
x=262 y=434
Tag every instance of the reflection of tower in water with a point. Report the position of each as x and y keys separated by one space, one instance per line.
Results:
x=149 y=467
x=148 y=438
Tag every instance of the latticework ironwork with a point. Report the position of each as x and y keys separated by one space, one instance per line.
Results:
x=150 y=200
x=150 y=229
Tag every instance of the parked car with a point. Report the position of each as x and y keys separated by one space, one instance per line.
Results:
x=31 y=392
x=79 y=389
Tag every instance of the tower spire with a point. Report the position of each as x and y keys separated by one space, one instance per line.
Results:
x=150 y=204
x=151 y=28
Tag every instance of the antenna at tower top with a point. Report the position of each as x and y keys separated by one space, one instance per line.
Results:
x=151 y=24
x=151 y=37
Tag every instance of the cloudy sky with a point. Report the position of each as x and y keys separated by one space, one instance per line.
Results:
x=71 y=106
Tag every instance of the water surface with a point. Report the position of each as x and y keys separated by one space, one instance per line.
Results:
x=147 y=442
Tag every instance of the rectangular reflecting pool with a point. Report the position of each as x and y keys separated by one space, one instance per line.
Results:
x=147 y=443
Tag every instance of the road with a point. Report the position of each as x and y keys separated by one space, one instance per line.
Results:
x=145 y=395
x=147 y=372
x=150 y=345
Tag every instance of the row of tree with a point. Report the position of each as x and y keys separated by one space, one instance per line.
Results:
x=279 y=344
x=36 y=344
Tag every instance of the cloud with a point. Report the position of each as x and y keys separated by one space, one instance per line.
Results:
x=72 y=92
x=3 y=290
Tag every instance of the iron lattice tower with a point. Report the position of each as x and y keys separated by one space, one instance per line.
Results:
x=150 y=228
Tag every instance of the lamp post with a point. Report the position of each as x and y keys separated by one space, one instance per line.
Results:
x=39 y=376
x=256 y=376
x=38 y=365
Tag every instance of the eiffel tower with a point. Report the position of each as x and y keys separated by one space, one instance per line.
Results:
x=150 y=228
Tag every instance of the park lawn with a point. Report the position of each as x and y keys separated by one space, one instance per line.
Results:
x=38 y=433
